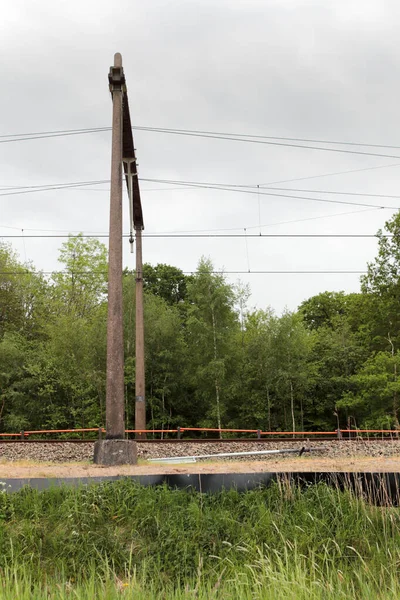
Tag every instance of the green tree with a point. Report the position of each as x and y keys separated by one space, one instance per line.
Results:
x=255 y=385
x=165 y=281
x=211 y=327
x=374 y=400
x=294 y=370
x=381 y=285
x=337 y=354
x=81 y=286
x=22 y=295
x=13 y=349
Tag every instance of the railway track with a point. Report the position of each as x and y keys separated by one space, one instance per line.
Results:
x=277 y=440
x=77 y=450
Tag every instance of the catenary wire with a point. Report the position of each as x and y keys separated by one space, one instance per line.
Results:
x=216 y=185
x=255 y=272
x=331 y=174
x=205 y=136
x=246 y=137
x=200 y=185
x=255 y=192
x=268 y=143
x=208 y=235
x=265 y=137
x=334 y=192
x=350 y=212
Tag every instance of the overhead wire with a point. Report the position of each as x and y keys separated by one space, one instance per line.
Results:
x=207 y=235
x=350 y=212
x=254 y=138
x=44 y=135
x=331 y=174
x=54 y=132
x=222 y=272
x=201 y=185
x=334 y=192
x=230 y=137
x=20 y=189
x=264 y=142
x=257 y=136
x=228 y=187
x=79 y=184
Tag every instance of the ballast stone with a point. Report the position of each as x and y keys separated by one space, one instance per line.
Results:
x=115 y=452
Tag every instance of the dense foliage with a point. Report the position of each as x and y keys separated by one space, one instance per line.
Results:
x=210 y=361
x=120 y=540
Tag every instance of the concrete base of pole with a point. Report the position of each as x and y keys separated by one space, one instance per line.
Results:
x=115 y=452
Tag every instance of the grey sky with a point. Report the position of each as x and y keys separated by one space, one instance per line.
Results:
x=325 y=69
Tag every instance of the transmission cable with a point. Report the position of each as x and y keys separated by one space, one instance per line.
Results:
x=205 y=235
x=247 y=191
x=255 y=138
x=350 y=212
x=278 y=272
x=265 y=142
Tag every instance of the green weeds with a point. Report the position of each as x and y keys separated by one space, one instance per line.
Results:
x=120 y=540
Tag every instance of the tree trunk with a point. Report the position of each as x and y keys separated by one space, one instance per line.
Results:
x=218 y=407
x=395 y=399
x=217 y=396
x=292 y=407
x=301 y=414
x=2 y=407
x=268 y=410
x=163 y=412
x=152 y=402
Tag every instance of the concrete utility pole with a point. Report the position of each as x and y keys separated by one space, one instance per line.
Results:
x=115 y=449
x=140 y=403
x=115 y=421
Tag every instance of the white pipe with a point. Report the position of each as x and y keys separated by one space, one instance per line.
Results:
x=193 y=458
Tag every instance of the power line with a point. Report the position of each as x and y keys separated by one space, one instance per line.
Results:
x=44 y=135
x=48 y=188
x=209 y=235
x=292 y=221
x=200 y=185
x=299 y=272
x=265 y=137
x=52 y=185
x=15 y=190
x=364 y=194
x=264 y=142
x=78 y=184
x=331 y=174
x=57 y=131
x=230 y=138
x=350 y=212
x=243 y=137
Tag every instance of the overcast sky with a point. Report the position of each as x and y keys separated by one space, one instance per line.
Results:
x=322 y=69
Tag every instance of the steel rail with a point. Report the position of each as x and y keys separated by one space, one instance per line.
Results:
x=210 y=441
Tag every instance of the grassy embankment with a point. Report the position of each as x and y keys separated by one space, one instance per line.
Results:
x=122 y=541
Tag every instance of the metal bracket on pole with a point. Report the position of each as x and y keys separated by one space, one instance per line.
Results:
x=130 y=175
x=116 y=77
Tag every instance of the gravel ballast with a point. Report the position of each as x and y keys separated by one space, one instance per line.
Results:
x=74 y=452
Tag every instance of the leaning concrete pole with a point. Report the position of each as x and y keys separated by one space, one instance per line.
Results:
x=115 y=449
x=140 y=401
x=115 y=422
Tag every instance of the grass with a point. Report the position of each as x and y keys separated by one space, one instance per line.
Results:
x=120 y=540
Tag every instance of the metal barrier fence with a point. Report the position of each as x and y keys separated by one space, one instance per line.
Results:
x=179 y=431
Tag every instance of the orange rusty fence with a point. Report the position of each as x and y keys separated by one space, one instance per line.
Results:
x=180 y=430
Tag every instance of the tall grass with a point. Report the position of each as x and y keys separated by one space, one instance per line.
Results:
x=121 y=540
